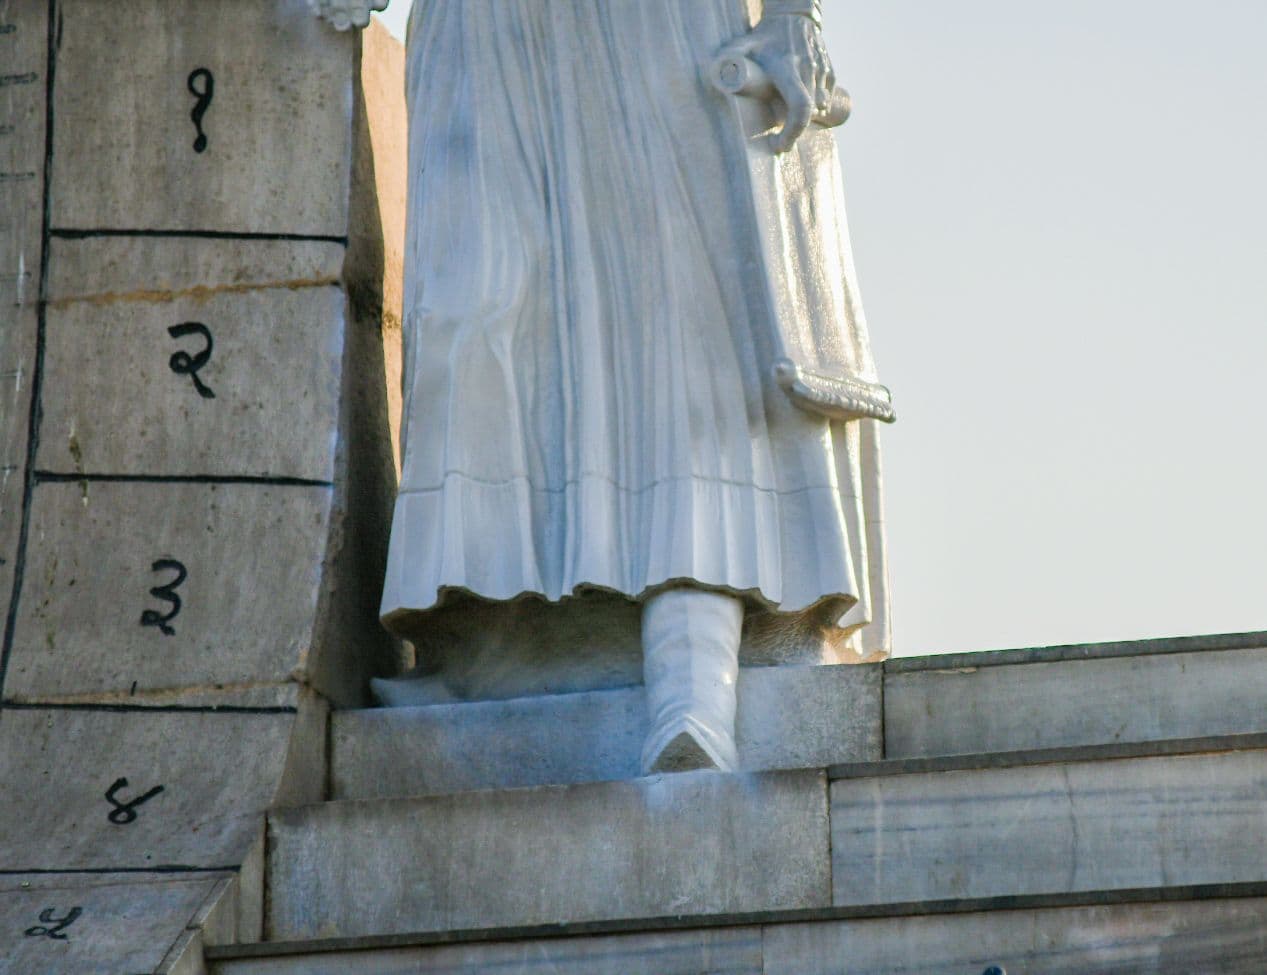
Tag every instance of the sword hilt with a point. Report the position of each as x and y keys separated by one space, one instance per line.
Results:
x=734 y=74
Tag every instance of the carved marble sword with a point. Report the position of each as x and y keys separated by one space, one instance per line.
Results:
x=813 y=368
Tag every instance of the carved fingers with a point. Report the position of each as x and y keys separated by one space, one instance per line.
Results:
x=790 y=84
x=790 y=49
x=346 y=14
x=824 y=76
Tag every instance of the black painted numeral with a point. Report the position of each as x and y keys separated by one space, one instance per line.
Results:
x=59 y=924
x=202 y=85
x=167 y=592
x=125 y=812
x=184 y=364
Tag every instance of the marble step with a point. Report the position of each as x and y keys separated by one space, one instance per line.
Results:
x=691 y=843
x=1053 y=821
x=1165 y=932
x=789 y=717
x=864 y=835
x=805 y=717
x=1089 y=694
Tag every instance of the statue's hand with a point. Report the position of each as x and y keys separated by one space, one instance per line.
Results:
x=345 y=14
x=790 y=49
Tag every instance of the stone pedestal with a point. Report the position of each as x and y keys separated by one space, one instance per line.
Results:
x=195 y=470
x=914 y=841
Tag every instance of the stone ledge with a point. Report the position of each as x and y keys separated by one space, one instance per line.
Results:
x=1149 y=821
x=1197 y=927
x=97 y=923
x=789 y=717
x=1174 y=691
x=695 y=843
x=1214 y=744
x=1007 y=703
x=687 y=922
x=974 y=659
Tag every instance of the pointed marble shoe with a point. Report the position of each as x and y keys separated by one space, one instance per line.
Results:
x=682 y=746
x=690 y=647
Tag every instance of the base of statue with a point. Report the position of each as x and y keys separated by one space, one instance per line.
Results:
x=1051 y=811
x=473 y=649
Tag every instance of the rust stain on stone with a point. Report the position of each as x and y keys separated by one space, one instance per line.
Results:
x=199 y=293
x=228 y=693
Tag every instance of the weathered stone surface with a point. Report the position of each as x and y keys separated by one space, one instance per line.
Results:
x=1076 y=702
x=554 y=739
x=265 y=402
x=733 y=951
x=185 y=957
x=273 y=174
x=102 y=270
x=22 y=100
x=355 y=648
x=1224 y=936
x=254 y=695
x=1174 y=938
x=121 y=923
x=374 y=270
x=276 y=157
x=801 y=717
x=218 y=773
x=789 y=717
x=688 y=843
x=15 y=387
x=236 y=916
x=252 y=556
x=304 y=774
x=1078 y=826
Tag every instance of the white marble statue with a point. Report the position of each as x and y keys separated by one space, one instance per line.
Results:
x=636 y=367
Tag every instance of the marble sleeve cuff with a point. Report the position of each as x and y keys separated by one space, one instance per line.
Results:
x=813 y=9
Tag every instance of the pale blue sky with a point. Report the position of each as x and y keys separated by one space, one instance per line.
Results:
x=1059 y=214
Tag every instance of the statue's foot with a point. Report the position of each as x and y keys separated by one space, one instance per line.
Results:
x=681 y=746
x=690 y=661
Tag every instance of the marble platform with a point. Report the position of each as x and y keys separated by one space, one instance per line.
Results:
x=1126 y=835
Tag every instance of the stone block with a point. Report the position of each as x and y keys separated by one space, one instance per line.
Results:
x=94 y=924
x=1224 y=936
x=226 y=379
x=1019 y=707
x=789 y=717
x=556 y=739
x=732 y=951
x=230 y=117
x=803 y=717
x=234 y=913
x=151 y=586
x=1063 y=827
x=678 y=844
x=67 y=809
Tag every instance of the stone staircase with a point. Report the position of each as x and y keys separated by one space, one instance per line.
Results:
x=1096 y=809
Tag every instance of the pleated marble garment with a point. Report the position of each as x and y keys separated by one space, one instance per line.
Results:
x=589 y=402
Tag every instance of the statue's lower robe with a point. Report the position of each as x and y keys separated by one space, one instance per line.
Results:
x=589 y=400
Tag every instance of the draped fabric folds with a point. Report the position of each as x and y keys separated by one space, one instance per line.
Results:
x=589 y=401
